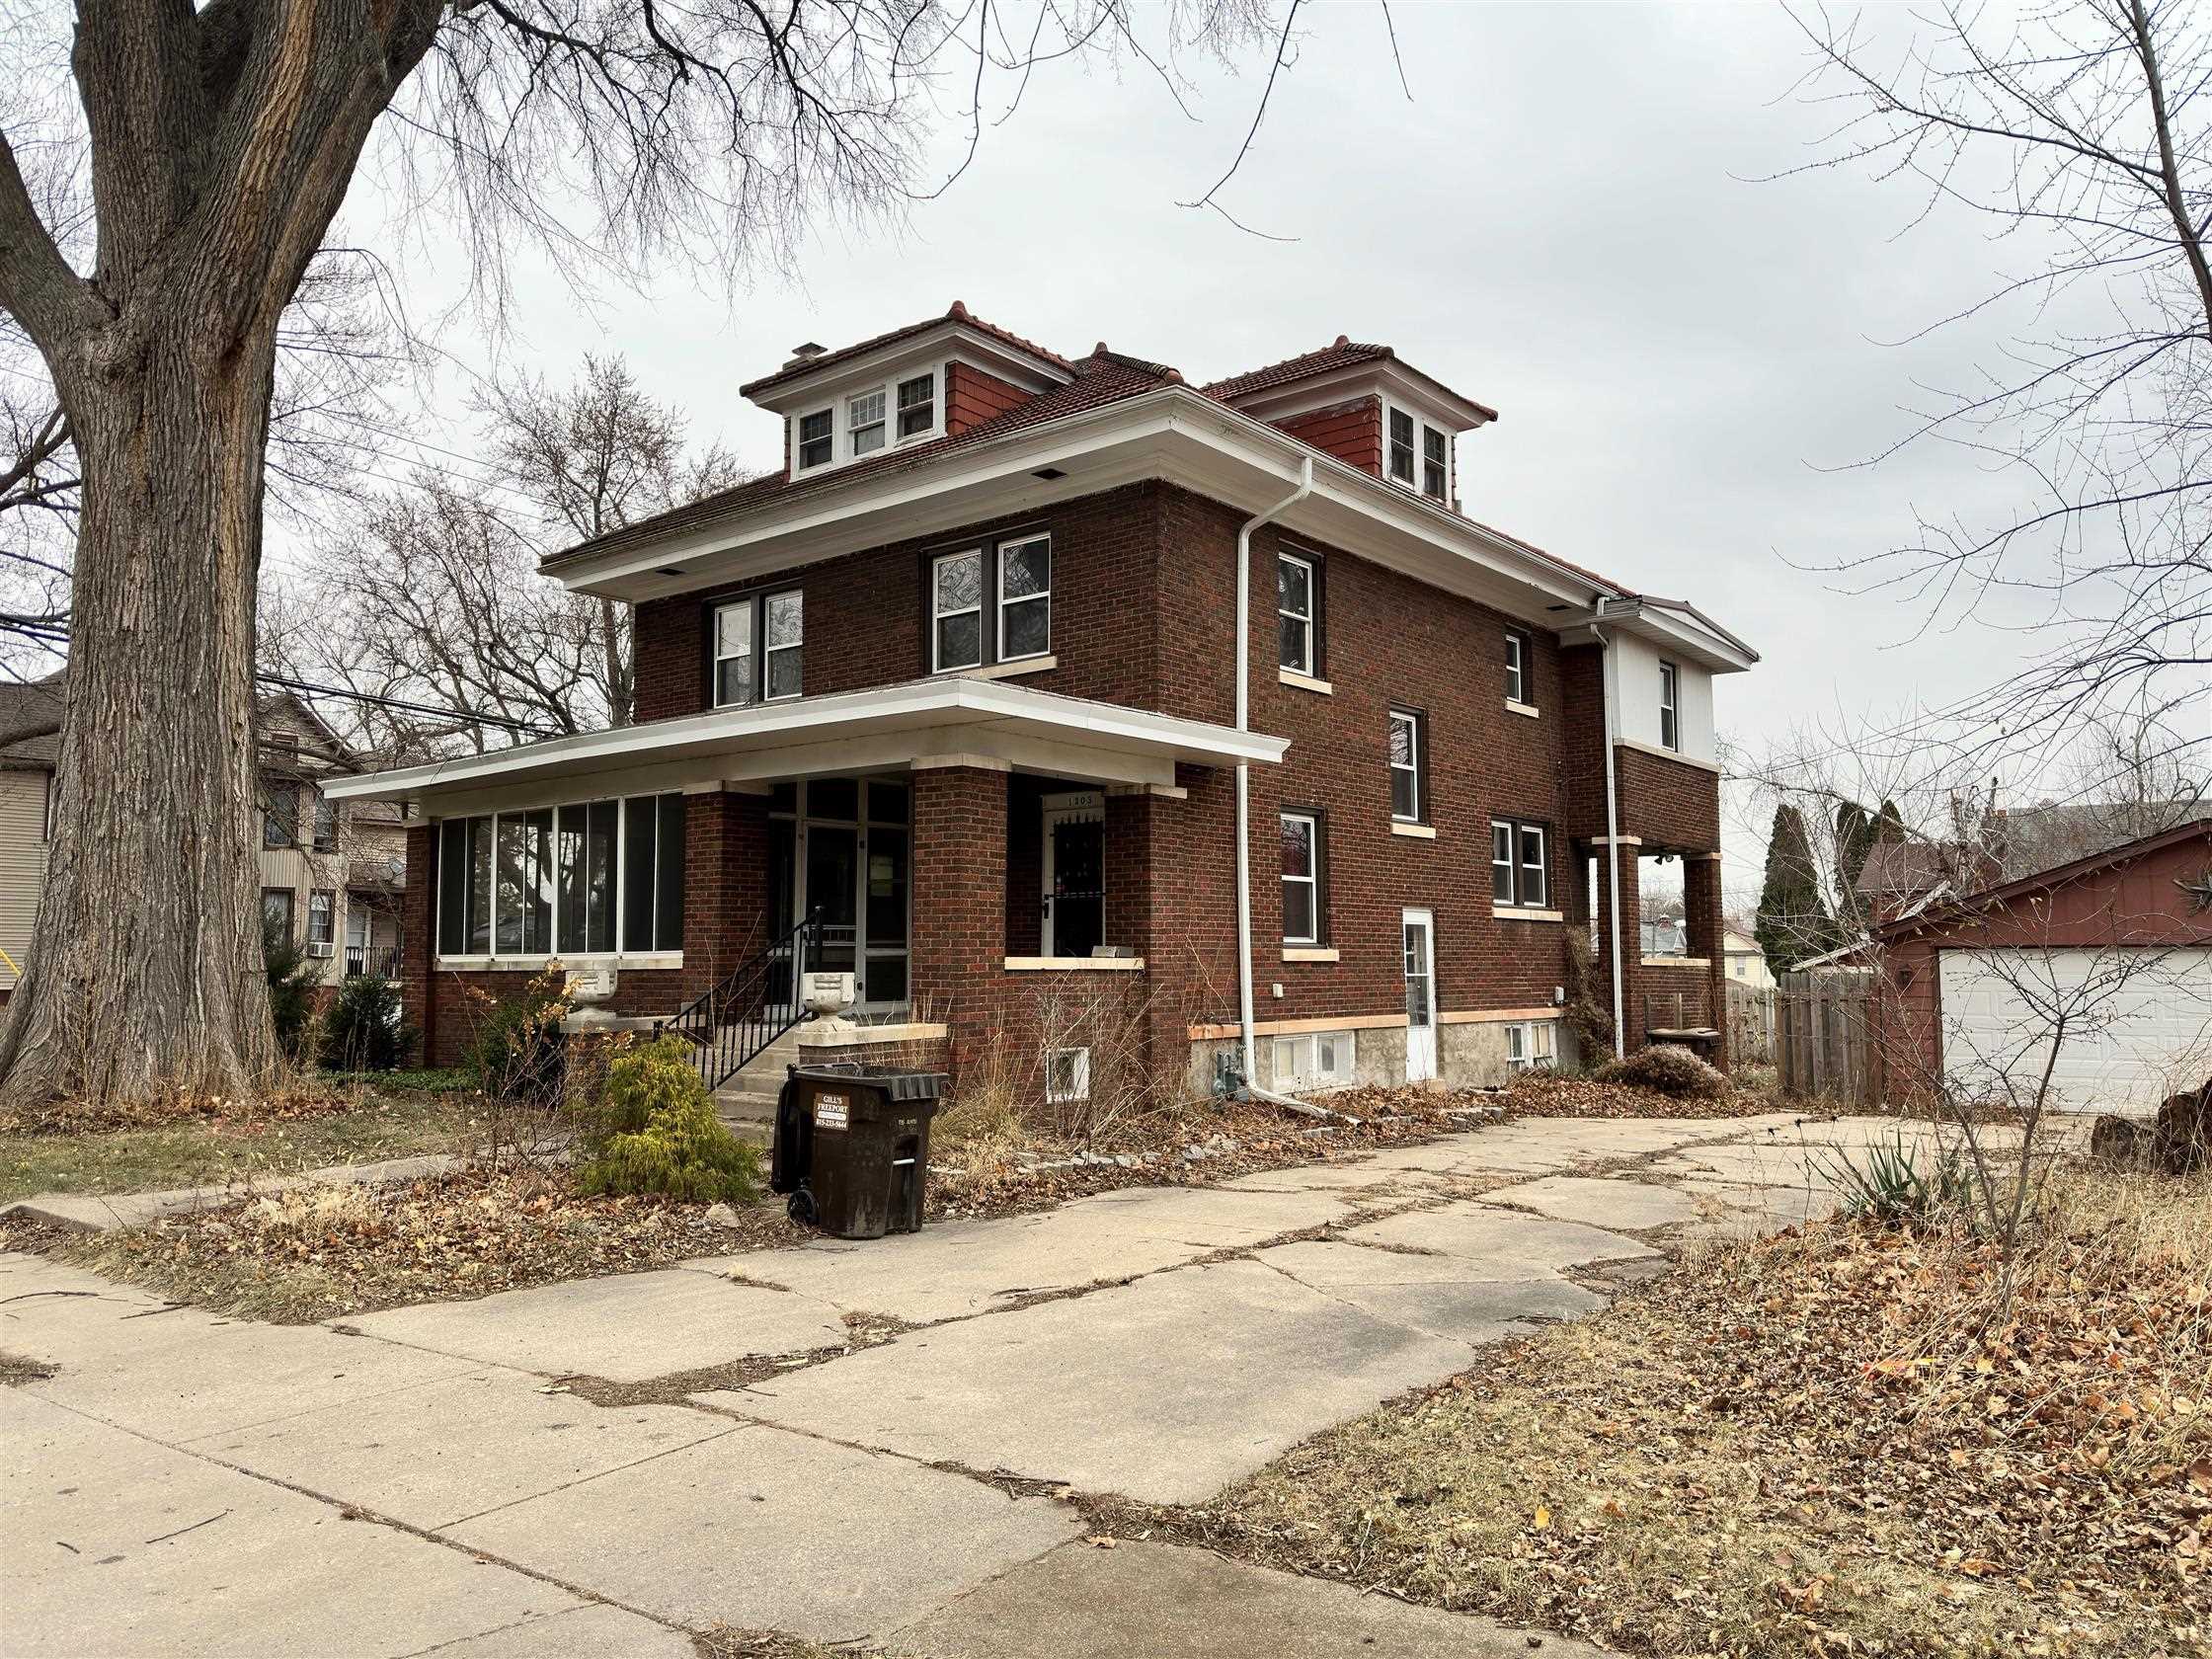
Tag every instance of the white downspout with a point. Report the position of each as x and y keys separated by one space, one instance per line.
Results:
x=1244 y=783
x=1612 y=828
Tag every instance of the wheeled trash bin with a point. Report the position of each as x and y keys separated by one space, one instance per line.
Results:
x=852 y=1147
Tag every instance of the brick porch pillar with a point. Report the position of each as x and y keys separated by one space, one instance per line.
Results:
x=1137 y=827
x=959 y=941
x=418 y=924
x=1700 y=906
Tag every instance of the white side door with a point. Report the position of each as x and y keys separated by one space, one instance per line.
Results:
x=1419 y=930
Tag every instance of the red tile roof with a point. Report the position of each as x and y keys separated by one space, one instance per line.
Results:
x=954 y=313
x=1342 y=352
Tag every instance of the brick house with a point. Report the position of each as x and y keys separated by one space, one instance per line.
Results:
x=965 y=683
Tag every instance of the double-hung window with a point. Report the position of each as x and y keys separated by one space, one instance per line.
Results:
x=1408 y=763
x=864 y=423
x=1517 y=682
x=326 y=824
x=280 y=819
x=582 y=879
x=817 y=439
x=1436 y=463
x=917 y=406
x=956 y=586
x=1669 y=706
x=1025 y=598
x=277 y=912
x=759 y=646
x=322 y=921
x=1302 y=878
x=1531 y=1044
x=1520 y=872
x=1402 y=447
x=1298 y=604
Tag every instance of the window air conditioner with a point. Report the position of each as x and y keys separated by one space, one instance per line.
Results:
x=322 y=948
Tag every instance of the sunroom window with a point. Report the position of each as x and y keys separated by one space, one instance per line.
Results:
x=569 y=880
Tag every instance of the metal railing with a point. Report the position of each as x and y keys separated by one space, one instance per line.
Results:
x=382 y=960
x=750 y=1009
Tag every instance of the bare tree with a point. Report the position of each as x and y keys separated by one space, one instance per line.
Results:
x=218 y=142
x=2078 y=134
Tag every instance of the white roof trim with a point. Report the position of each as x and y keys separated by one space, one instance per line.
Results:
x=1673 y=625
x=987 y=711
x=951 y=338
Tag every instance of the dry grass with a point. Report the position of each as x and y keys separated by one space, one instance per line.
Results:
x=1829 y=1442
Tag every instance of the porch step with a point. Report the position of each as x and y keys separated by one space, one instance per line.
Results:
x=747 y=1102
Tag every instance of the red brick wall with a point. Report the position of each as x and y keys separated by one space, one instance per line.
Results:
x=959 y=930
x=973 y=397
x=1351 y=431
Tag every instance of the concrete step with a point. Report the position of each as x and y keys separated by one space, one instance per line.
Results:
x=752 y=1104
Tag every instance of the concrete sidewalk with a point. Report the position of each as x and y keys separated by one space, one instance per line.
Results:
x=426 y=1479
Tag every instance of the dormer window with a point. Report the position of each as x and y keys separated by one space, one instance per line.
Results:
x=864 y=423
x=1401 y=446
x=817 y=438
x=917 y=406
x=1436 y=451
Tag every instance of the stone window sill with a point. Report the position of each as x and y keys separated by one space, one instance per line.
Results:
x=538 y=964
x=1074 y=965
x=1677 y=962
x=819 y=1034
x=1418 y=831
x=1310 y=953
x=1529 y=710
x=1517 y=912
x=1305 y=682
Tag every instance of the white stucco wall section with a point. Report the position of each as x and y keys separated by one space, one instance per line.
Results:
x=1633 y=664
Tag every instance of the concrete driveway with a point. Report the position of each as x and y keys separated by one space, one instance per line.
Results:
x=428 y=1480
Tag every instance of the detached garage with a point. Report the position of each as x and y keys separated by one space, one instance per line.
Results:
x=2110 y=955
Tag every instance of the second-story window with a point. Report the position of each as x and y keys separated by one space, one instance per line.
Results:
x=956 y=581
x=1025 y=598
x=1517 y=666
x=279 y=820
x=1408 y=797
x=1401 y=446
x=1520 y=872
x=1436 y=451
x=760 y=647
x=1670 y=716
x=864 y=423
x=1296 y=603
x=1302 y=879
x=817 y=438
x=785 y=633
x=326 y=824
x=917 y=406
x=732 y=654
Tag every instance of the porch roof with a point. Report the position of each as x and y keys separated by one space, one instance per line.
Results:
x=886 y=728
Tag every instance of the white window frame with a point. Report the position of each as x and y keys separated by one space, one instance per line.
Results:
x=767 y=651
x=1543 y=865
x=1412 y=479
x=1537 y=1043
x=1311 y=880
x=799 y=441
x=617 y=873
x=1311 y=618
x=1443 y=490
x=751 y=652
x=937 y=664
x=1507 y=863
x=1412 y=720
x=1519 y=866
x=326 y=944
x=1011 y=544
x=879 y=421
x=1670 y=705
x=1078 y=1085
x=934 y=375
x=1517 y=666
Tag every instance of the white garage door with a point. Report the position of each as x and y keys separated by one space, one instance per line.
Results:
x=2139 y=1023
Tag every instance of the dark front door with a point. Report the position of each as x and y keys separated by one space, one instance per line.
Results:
x=1078 y=900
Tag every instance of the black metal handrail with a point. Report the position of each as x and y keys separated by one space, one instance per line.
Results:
x=732 y=1022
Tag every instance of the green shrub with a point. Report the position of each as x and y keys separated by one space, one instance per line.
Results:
x=366 y=1028
x=1666 y=1069
x=293 y=981
x=657 y=1132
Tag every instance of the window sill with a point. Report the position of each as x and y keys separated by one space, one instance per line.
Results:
x=1419 y=832
x=1074 y=965
x=538 y=964
x=1310 y=953
x=1529 y=710
x=1521 y=913
x=1005 y=671
x=1675 y=962
x=1666 y=753
x=1303 y=682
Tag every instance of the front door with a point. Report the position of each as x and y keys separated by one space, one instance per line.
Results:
x=842 y=848
x=1074 y=873
x=1420 y=995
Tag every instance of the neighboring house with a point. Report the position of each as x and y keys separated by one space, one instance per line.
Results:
x=331 y=876
x=962 y=681
x=2120 y=943
x=1668 y=936
x=1747 y=962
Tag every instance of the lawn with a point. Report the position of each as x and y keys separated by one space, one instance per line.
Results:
x=207 y=1150
x=1827 y=1442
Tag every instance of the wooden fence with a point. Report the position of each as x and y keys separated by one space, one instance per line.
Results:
x=1751 y=1024
x=1822 y=1040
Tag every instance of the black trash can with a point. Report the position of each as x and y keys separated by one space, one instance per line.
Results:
x=852 y=1147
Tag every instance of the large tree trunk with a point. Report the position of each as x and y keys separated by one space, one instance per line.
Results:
x=145 y=966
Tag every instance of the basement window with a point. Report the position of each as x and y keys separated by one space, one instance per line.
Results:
x=1067 y=1076
x=1530 y=1043
x=1314 y=1059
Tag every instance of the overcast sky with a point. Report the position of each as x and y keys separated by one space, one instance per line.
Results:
x=1565 y=221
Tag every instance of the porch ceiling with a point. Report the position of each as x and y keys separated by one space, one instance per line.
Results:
x=883 y=729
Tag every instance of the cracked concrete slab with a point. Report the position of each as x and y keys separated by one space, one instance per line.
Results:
x=764 y=1530
x=627 y=1327
x=592 y=1632
x=440 y=1453
x=1626 y=1206
x=1163 y=1602
x=1506 y=1243
x=117 y=1546
x=1165 y=1390
x=1445 y=1296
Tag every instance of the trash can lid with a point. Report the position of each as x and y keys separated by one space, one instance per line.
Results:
x=896 y=1082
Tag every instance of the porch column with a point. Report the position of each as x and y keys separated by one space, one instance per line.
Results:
x=958 y=939
x=418 y=914
x=1137 y=915
x=1631 y=942
x=1701 y=908
x=725 y=884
